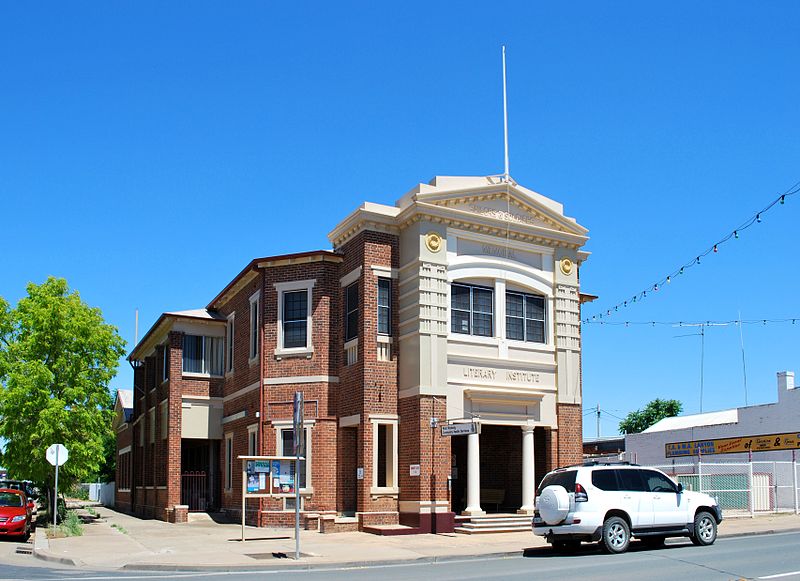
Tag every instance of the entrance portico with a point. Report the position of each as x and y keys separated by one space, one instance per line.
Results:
x=509 y=477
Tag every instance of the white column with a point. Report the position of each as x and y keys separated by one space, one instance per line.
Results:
x=473 y=475
x=528 y=472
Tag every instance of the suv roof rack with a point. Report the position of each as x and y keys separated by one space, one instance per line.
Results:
x=607 y=463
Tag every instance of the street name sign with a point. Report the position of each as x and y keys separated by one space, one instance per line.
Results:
x=460 y=429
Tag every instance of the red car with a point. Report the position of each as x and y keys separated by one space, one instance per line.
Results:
x=15 y=513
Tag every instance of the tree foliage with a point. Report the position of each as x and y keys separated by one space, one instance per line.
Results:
x=57 y=357
x=658 y=409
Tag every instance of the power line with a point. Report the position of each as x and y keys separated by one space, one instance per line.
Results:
x=728 y=323
x=713 y=249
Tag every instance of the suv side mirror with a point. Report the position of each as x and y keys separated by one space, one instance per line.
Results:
x=680 y=487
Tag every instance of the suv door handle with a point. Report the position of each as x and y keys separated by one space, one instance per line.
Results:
x=627 y=497
x=656 y=497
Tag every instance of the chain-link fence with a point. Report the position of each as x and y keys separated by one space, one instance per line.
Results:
x=741 y=488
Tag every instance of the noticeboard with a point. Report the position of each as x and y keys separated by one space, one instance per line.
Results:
x=763 y=443
x=269 y=476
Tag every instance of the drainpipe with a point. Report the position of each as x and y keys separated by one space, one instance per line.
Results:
x=261 y=361
x=135 y=364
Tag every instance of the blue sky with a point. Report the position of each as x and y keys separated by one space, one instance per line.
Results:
x=148 y=151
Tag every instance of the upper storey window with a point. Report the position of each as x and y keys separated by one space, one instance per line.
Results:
x=255 y=323
x=384 y=306
x=472 y=310
x=295 y=308
x=203 y=355
x=351 y=312
x=525 y=317
x=295 y=318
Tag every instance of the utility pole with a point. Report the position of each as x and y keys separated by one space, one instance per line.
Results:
x=598 y=421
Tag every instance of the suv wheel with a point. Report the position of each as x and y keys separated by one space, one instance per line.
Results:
x=705 y=529
x=616 y=535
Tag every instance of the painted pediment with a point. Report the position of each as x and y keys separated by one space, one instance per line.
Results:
x=511 y=207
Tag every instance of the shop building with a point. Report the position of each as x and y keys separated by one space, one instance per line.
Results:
x=459 y=304
x=761 y=433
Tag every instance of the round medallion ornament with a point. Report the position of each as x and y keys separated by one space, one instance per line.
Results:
x=433 y=241
x=566 y=266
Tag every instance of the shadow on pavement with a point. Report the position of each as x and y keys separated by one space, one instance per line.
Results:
x=281 y=538
x=594 y=549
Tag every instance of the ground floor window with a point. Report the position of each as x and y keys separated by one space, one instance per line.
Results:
x=124 y=470
x=252 y=440
x=384 y=454
x=228 y=461
x=286 y=448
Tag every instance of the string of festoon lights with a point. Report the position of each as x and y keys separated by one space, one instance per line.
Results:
x=728 y=323
x=697 y=260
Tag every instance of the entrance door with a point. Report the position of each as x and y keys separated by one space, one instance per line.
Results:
x=348 y=473
x=458 y=473
x=200 y=474
x=501 y=468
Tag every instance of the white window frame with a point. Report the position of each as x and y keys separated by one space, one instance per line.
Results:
x=255 y=327
x=292 y=286
x=206 y=357
x=472 y=312
x=230 y=343
x=229 y=462
x=544 y=320
x=391 y=461
x=252 y=440
x=308 y=427
x=378 y=306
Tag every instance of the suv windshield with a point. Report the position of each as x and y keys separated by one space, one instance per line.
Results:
x=565 y=479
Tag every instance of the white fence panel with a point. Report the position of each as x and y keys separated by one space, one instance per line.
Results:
x=106 y=495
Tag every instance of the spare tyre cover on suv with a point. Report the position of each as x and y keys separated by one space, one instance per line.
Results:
x=553 y=504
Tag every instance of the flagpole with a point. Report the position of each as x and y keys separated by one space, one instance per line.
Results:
x=506 y=175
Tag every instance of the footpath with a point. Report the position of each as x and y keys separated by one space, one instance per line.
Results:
x=119 y=541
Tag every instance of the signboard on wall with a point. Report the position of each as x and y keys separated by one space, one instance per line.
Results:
x=763 y=443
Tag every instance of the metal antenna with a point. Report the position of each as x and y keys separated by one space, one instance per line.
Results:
x=506 y=175
x=744 y=365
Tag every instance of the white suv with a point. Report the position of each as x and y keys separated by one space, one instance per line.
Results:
x=612 y=502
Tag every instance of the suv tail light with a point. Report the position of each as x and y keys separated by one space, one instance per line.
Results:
x=580 y=493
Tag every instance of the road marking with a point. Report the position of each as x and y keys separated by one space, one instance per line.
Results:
x=779 y=575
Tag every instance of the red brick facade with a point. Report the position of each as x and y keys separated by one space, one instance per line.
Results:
x=352 y=404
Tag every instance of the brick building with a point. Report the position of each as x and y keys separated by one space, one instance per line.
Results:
x=460 y=303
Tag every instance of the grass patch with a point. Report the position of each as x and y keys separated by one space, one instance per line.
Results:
x=91 y=511
x=71 y=526
x=119 y=528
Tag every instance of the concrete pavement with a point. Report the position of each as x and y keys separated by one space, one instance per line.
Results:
x=117 y=540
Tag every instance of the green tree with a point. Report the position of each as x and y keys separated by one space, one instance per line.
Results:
x=658 y=409
x=57 y=357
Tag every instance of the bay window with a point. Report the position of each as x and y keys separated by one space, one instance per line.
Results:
x=203 y=355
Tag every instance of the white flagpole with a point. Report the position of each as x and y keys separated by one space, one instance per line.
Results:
x=506 y=175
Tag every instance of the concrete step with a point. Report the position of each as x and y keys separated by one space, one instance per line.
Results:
x=493 y=523
x=390 y=530
x=489 y=530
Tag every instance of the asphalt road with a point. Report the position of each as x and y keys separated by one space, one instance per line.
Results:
x=772 y=556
